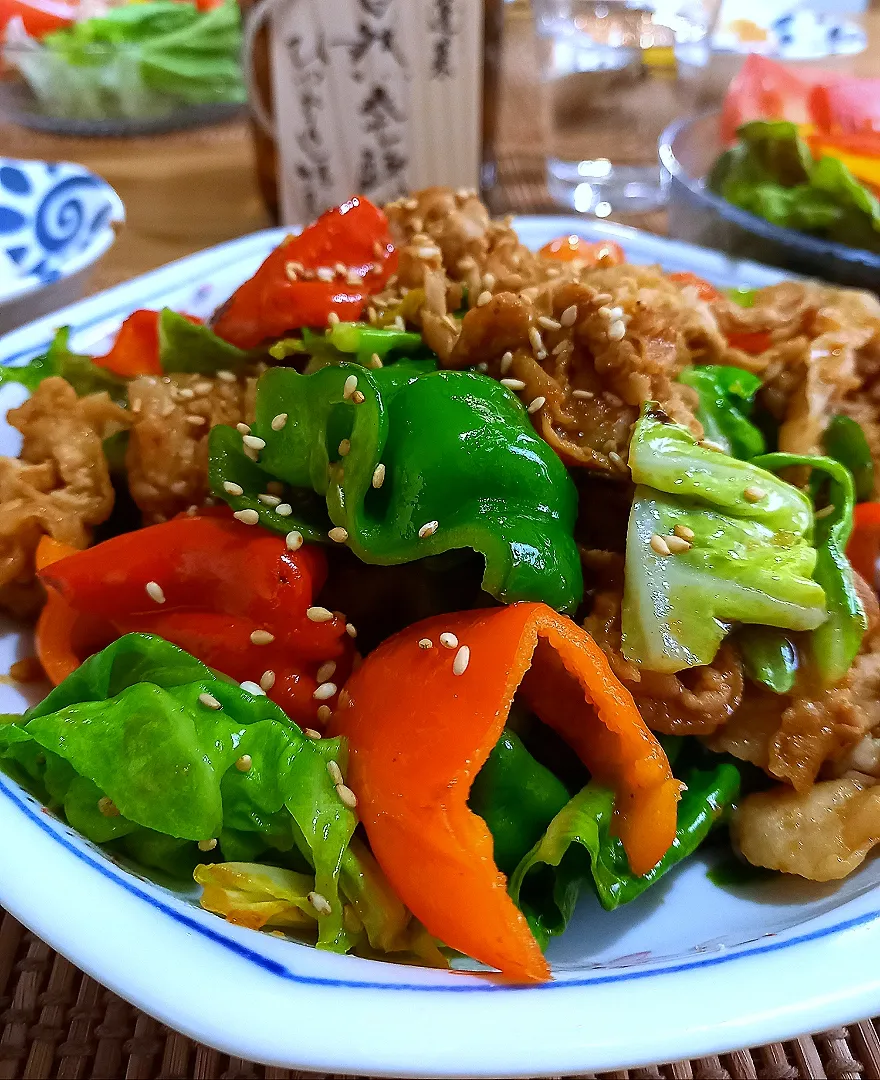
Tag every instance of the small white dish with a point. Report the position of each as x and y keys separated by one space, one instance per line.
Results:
x=56 y=220
x=689 y=969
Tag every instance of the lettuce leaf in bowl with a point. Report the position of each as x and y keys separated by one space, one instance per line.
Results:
x=771 y=172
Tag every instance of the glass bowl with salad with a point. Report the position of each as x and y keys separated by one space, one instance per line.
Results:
x=787 y=173
x=119 y=69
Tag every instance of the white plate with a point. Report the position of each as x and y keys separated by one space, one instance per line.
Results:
x=688 y=969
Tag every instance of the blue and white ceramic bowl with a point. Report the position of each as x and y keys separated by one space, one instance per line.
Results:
x=56 y=221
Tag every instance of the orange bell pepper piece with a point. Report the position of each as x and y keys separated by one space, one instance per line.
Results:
x=63 y=636
x=419 y=733
x=705 y=291
x=590 y=253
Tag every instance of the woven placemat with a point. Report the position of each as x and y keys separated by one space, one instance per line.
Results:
x=57 y=1022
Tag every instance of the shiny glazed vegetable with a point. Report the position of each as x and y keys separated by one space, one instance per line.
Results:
x=404 y=462
x=146 y=749
x=421 y=721
x=298 y=285
x=711 y=541
x=232 y=595
x=726 y=396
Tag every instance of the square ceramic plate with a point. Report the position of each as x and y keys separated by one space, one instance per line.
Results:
x=688 y=969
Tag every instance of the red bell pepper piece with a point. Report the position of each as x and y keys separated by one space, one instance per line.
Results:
x=753 y=342
x=766 y=90
x=289 y=292
x=705 y=291
x=40 y=17
x=863 y=549
x=136 y=348
x=219 y=582
x=63 y=637
x=590 y=253
x=418 y=735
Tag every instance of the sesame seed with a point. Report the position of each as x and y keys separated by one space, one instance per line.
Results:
x=565 y=345
x=344 y=700
x=344 y=447
x=427 y=252
x=616 y=460
x=378 y=250
x=335 y=772
x=535 y=404
x=262 y=637
x=378 y=475
x=209 y=700
x=350 y=386
x=428 y=529
x=319 y=614
x=824 y=512
x=320 y=903
x=536 y=340
x=324 y=273
x=107 y=807
x=489 y=281
x=449 y=641
x=324 y=713
x=659 y=545
x=351 y=630
x=154 y=591
x=358 y=398
x=185 y=394
x=191 y=511
x=710 y=444
x=284 y=509
x=482 y=367
x=243 y=429
x=254 y=442
x=267 y=680
x=410 y=204
x=616 y=313
x=426 y=643
x=582 y=395
x=310 y=733
x=202 y=388
x=506 y=361
x=548 y=323
x=754 y=494
x=244 y=763
x=684 y=532
x=326 y=671
x=325 y=691
x=208 y=845
x=290 y=271
x=279 y=421
x=353 y=278
x=677 y=544
x=333 y=318
x=371 y=315
x=232 y=489
x=461 y=661
x=196 y=420
x=269 y=500
x=294 y=541
x=226 y=376
x=247 y=517
x=513 y=384
x=569 y=316
x=253 y=688
x=375 y=361
x=338 y=535
x=399 y=324
x=617 y=330
x=346 y=796
x=484 y=298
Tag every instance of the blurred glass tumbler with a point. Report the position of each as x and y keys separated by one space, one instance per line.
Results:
x=614 y=73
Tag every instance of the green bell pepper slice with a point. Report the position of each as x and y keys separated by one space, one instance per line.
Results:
x=726 y=399
x=408 y=462
x=844 y=440
x=836 y=642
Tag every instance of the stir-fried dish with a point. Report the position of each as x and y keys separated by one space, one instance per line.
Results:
x=434 y=581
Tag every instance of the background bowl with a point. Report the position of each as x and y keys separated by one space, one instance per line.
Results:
x=56 y=221
x=688 y=149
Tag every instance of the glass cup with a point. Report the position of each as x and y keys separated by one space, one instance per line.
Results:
x=614 y=73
